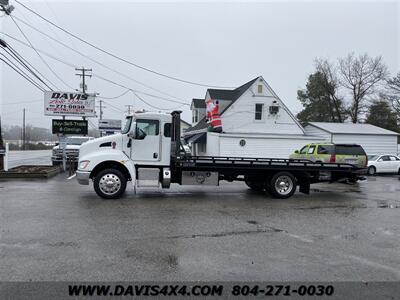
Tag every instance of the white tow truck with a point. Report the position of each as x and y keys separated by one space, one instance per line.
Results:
x=148 y=152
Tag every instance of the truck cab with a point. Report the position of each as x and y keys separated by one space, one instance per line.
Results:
x=141 y=151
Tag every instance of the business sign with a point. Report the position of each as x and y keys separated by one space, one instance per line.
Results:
x=69 y=104
x=70 y=127
x=110 y=125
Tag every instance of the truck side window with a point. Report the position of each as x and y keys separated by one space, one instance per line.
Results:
x=149 y=127
x=311 y=150
x=304 y=150
x=167 y=129
x=325 y=149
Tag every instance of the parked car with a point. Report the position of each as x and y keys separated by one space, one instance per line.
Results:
x=385 y=163
x=71 y=149
x=333 y=153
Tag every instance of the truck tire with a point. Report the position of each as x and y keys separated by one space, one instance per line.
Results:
x=282 y=185
x=255 y=185
x=110 y=184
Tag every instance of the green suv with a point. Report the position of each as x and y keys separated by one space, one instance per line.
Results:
x=333 y=153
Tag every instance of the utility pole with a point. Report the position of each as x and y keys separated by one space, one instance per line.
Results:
x=83 y=75
x=129 y=108
x=101 y=109
x=1 y=149
x=23 y=129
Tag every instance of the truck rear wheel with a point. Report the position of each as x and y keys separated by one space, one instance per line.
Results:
x=282 y=185
x=110 y=184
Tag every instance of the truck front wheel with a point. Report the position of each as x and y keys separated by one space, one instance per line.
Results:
x=110 y=184
x=282 y=185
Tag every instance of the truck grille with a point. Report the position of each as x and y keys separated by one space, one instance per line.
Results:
x=74 y=153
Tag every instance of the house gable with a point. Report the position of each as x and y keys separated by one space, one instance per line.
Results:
x=240 y=115
x=237 y=110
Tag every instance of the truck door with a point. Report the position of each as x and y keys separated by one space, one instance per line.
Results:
x=148 y=148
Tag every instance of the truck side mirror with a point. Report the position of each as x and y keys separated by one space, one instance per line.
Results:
x=132 y=131
x=296 y=151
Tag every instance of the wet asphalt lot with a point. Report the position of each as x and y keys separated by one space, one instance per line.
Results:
x=59 y=230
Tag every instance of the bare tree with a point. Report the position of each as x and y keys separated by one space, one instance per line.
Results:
x=361 y=76
x=331 y=86
x=393 y=94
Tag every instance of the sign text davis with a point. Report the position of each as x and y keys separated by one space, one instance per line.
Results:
x=69 y=104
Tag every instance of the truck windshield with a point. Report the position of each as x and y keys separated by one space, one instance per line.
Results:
x=127 y=125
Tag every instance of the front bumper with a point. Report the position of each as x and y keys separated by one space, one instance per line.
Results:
x=83 y=177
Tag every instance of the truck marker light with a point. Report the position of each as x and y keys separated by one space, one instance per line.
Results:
x=83 y=164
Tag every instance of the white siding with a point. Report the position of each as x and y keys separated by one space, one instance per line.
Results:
x=372 y=144
x=213 y=144
x=239 y=118
x=272 y=147
x=311 y=130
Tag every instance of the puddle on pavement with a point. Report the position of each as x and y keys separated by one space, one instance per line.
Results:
x=387 y=205
x=252 y=222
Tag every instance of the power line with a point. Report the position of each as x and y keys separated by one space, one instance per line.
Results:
x=34 y=84
x=97 y=76
x=133 y=90
x=14 y=54
x=41 y=58
x=155 y=107
x=94 y=60
x=19 y=69
x=116 y=56
x=116 y=97
x=112 y=106
x=41 y=51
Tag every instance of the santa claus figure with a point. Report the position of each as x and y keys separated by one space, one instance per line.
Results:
x=213 y=119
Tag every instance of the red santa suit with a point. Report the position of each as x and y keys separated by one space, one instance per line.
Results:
x=213 y=119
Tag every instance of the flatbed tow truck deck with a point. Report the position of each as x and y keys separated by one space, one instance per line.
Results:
x=110 y=169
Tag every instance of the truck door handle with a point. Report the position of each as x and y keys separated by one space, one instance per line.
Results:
x=155 y=155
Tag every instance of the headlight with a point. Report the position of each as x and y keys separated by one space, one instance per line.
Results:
x=83 y=164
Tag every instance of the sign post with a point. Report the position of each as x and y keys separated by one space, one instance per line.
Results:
x=6 y=157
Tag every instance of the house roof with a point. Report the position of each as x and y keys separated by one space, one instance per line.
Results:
x=199 y=127
x=186 y=123
x=198 y=103
x=351 y=128
x=232 y=95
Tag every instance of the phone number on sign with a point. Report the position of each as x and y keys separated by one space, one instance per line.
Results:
x=283 y=290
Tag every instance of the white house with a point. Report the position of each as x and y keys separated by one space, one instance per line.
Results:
x=373 y=139
x=256 y=123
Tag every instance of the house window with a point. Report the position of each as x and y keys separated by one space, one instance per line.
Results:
x=259 y=111
x=260 y=88
x=195 y=116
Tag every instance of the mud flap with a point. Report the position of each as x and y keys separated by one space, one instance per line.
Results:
x=304 y=185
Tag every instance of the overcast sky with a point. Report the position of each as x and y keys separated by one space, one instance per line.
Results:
x=216 y=43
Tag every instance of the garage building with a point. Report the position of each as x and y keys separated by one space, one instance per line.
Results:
x=373 y=139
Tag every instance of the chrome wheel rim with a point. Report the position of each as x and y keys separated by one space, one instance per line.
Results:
x=283 y=185
x=110 y=184
x=371 y=171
